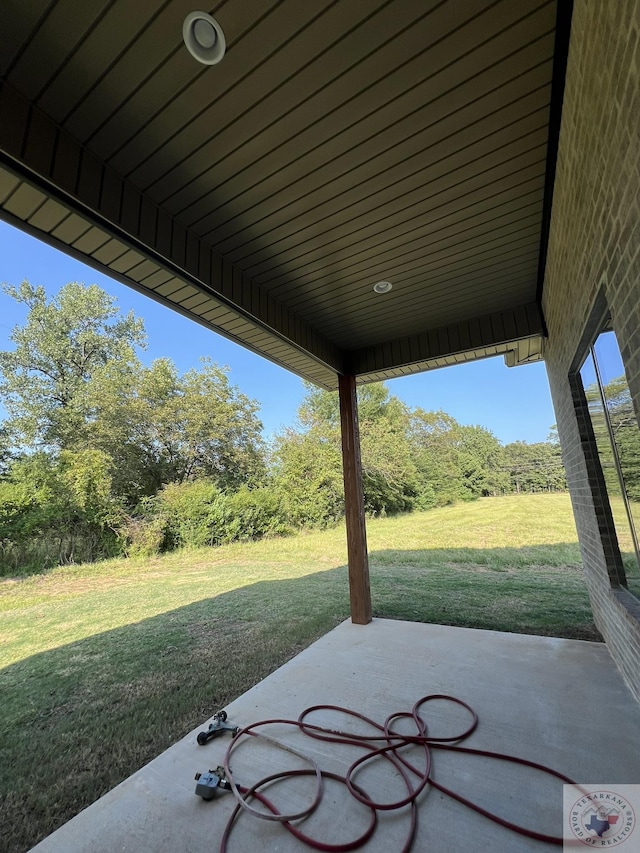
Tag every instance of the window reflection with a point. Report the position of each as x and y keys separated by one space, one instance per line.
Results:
x=618 y=442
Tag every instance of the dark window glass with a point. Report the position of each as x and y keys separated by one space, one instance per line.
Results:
x=618 y=442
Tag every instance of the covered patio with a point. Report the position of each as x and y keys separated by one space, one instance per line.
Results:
x=360 y=191
x=556 y=702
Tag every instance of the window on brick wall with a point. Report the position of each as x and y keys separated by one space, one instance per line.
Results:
x=618 y=441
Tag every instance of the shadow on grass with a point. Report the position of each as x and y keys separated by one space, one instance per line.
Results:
x=78 y=719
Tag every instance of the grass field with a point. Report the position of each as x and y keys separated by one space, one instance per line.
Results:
x=104 y=666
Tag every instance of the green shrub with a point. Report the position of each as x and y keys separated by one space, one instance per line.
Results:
x=197 y=514
x=252 y=514
x=143 y=537
x=191 y=511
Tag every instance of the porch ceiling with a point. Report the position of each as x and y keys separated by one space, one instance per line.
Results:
x=337 y=144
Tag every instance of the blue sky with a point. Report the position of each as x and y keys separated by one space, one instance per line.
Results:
x=514 y=403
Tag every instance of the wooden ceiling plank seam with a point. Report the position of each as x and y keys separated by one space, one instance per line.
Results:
x=178 y=244
x=192 y=255
x=169 y=287
x=8 y=184
x=65 y=168
x=520 y=229
x=156 y=279
x=143 y=270
x=464 y=337
x=65 y=23
x=40 y=141
x=521 y=210
x=289 y=105
x=92 y=240
x=195 y=300
x=410 y=321
x=48 y=216
x=130 y=209
x=332 y=196
x=528 y=177
x=435 y=343
x=276 y=118
x=185 y=292
x=218 y=315
x=459 y=271
x=522 y=321
x=71 y=229
x=268 y=85
x=293 y=153
x=16 y=36
x=24 y=201
x=497 y=323
x=454 y=338
x=410 y=289
x=152 y=46
x=89 y=179
x=400 y=264
x=445 y=253
x=203 y=309
x=110 y=196
x=409 y=314
x=15 y=111
x=148 y=222
x=283 y=23
x=485 y=199
x=485 y=328
x=273 y=200
x=62 y=93
x=170 y=84
x=126 y=262
x=299 y=237
x=205 y=265
x=278 y=204
x=109 y=251
x=383 y=185
x=164 y=230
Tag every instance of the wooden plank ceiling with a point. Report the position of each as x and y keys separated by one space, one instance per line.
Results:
x=337 y=144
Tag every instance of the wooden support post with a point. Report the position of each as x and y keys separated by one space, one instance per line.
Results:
x=359 y=589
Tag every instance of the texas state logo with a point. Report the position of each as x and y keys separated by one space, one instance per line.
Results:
x=601 y=818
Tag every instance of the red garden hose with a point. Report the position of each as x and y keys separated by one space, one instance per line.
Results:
x=387 y=745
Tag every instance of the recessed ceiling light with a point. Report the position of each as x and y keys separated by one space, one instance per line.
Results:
x=382 y=286
x=204 y=38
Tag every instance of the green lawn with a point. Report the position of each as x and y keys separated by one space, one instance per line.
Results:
x=103 y=666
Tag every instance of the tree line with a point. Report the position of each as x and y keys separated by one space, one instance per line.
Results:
x=102 y=455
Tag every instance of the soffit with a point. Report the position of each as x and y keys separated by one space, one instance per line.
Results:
x=337 y=144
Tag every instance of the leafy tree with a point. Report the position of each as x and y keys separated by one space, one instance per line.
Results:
x=60 y=509
x=309 y=463
x=534 y=467
x=63 y=345
x=308 y=474
x=162 y=428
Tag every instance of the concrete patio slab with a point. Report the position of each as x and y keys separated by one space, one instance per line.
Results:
x=552 y=701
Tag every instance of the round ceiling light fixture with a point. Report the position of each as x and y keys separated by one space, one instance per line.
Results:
x=204 y=38
x=382 y=286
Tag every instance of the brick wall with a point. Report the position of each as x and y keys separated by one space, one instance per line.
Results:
x=594 y=262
